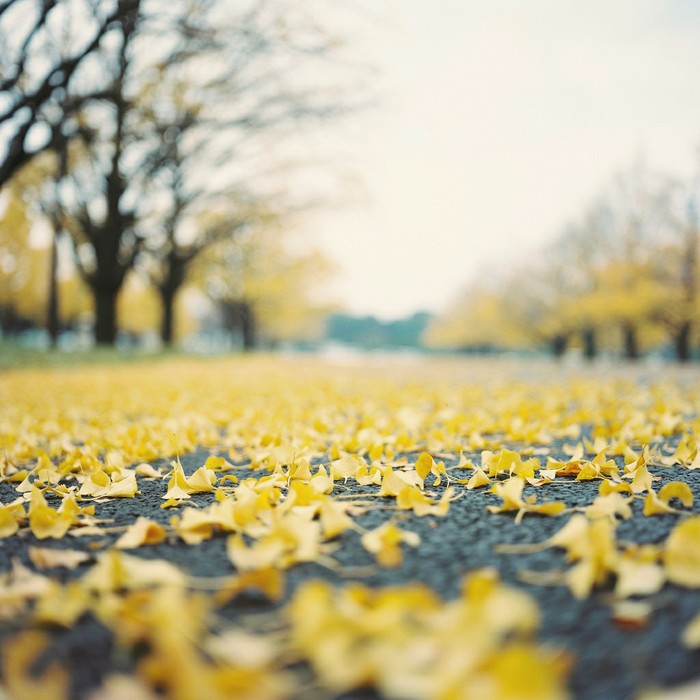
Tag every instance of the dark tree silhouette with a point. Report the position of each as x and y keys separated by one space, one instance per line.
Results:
x=32 y=97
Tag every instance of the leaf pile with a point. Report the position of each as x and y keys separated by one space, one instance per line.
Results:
x=313 y=480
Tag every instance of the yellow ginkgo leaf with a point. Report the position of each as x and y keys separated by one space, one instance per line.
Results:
x=321 y=482
x=45 y=558
x=18 y=586
x=218 y=464
x=369 y=474
x=638 y=577
x=425 y=464
x=679 y=490
x=606 y=467
x=300 y=469
x=120 y=484
x=123 y=485
x=142 y=531
x=412 y=498
x=520 y=671
x=508 y=462
x=478 y=479
x=610 y=506
x=46 y=522
x=178 y=488
x=194 y=526
x=511 y=493
x=659 y=504
x=61 y=605
x=682 y=553
x=600 y=548
x=334 y=518
x=346 y=466
x=202 y=480
x=607 y=487
x=642 y=479
x=96 y=485
x=19 y=656
x=269 y=582
x=393 y=481
x=148 y=471
x=263 y=554
x=385 y=543
x=115 y=571
x=9 y=520
x=691 y=633
x=19 y=476
x=653 y=505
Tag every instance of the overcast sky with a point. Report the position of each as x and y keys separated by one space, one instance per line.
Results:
x=499 y=121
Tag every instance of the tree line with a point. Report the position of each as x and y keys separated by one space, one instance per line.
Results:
x=153 y=137
x=622 y=276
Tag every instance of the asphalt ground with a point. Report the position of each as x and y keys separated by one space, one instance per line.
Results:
x=611 y=660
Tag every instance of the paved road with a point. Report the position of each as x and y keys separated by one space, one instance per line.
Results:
x=612 y=662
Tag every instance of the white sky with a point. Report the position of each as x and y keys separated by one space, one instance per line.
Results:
x=500 y=120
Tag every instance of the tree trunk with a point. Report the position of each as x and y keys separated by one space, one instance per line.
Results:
x=590 y=346
x=167 y=321
x=105 y=315
x=558 y=345
x=682 y=342
x=52 y=320
x=631 y=343
x=248 y=327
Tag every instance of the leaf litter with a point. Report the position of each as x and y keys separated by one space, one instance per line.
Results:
x=299 y=455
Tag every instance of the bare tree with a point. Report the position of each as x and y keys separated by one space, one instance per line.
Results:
x=41 y=51
x=676 y=265
x=637 y=201
x=102 y=216
x=262 y=85
x=166 y=110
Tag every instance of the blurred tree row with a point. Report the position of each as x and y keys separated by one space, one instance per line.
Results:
x=623 y=277
x=148 y=134
x=257 y=284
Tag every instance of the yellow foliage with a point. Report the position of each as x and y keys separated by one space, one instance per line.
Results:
x=682 y=553
x=323 y=446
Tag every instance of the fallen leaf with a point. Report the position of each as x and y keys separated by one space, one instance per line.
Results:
x=141 y=532
x=385 y=543
x=682 y=553
x=47 y=558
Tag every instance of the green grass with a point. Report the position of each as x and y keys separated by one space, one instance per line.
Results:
x=15 y=356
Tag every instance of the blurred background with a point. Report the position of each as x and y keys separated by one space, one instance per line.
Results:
x=454 y=176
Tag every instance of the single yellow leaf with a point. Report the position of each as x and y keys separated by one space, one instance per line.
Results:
x=202 y=480
x=385 y=543
x=19 y=655
x=682 y=553
x=8 y=521
x=148 y=471
x=478 y=479
x=269 y=582
x=610 y=506
x=218 y=464
x=642 y=479
x=142 y=531
x=46 y=522
x=47 y=558
x=691 y=634
x=61 y=605
x=679 y=490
